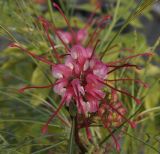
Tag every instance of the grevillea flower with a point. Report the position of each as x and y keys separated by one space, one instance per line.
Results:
x=82 y=79
x=78 y=79
x=78 y=37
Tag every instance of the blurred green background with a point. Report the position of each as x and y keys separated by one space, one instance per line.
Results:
x=23 y=115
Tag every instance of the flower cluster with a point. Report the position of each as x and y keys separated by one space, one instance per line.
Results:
x=81 y=77
x=70 y=38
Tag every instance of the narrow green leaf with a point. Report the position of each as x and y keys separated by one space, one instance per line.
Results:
x=72 y=139
x=12 y=37
x=38 y=78
x=145 y=143
x=47 y=148
x=141 y=6
x=27 y=121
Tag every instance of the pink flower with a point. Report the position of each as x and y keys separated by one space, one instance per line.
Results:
x=81 y=72
x=77 y=37
x=82 y=77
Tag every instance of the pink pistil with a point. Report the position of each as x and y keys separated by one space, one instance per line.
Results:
x=131 y=57
x=128 y=79
x=61 y=12
x=130 y=122
x=45 y=127
x=124 y=92
x=33 y=55
x=34 y=87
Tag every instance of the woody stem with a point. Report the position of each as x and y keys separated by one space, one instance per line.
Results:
x=77 y=138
